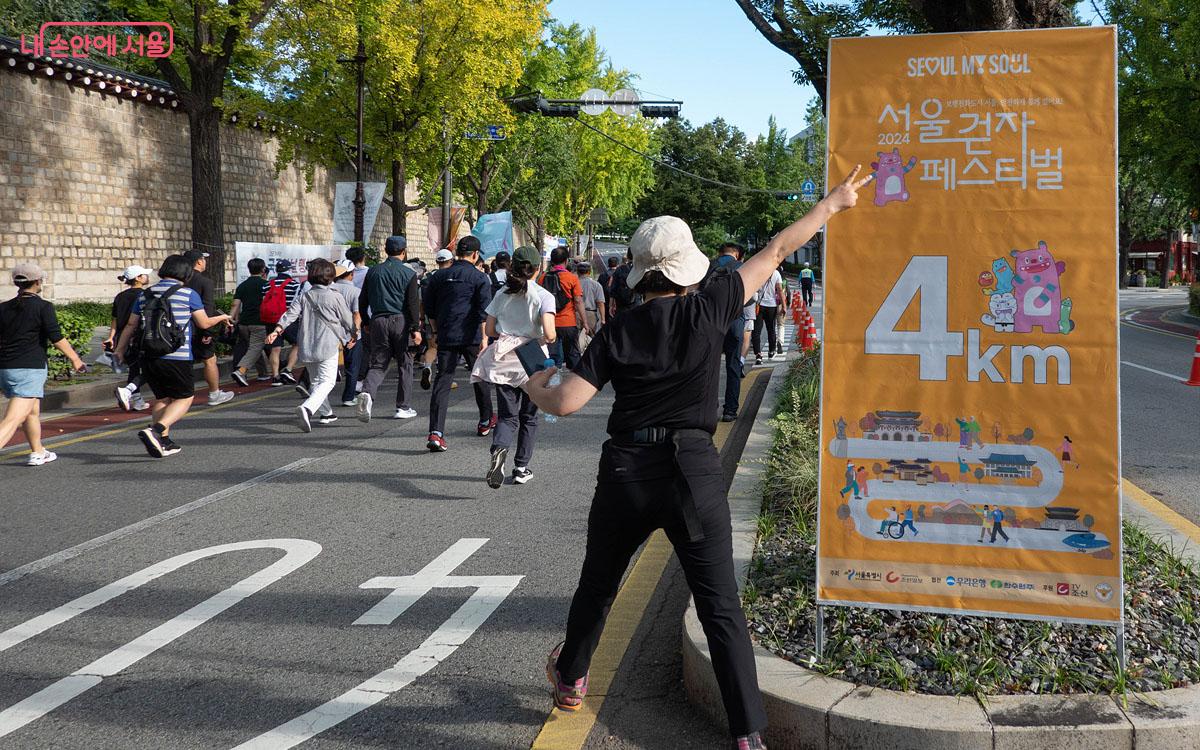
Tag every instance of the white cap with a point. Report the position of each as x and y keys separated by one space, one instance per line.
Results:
x=443 y=255
x=132 y=272
x=665 y=244
x=344 y=267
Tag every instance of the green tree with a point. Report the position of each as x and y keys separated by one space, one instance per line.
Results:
x=434 y=72
x=803 y=28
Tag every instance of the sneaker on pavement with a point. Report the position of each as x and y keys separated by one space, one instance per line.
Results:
x=362 y=407
x=327 y=419
x=40 y=459
x=124 y=397
x=169 y=447
x=727 y=417
x=287 y=377
x=219 y=397
x=351 y=402
x=521 y=475
x=436 y=443
x=139 y=403
x=495 y=475
x=485 y=428
x=752 y=741
x=426 y=377
x=405 y=412
x=277 y=382
x=302 y=390
x=304 y=418
x=239 y=378
x=263 y=378
x=567 y=696
x=152 y=440
x=757 y=359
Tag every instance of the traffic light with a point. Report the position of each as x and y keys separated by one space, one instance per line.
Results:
x=670 y=111
x=557 y=109
x=785 y=195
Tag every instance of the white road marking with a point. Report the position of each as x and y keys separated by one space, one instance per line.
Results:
x=1176 y=378
x=297 y=553
x=133 y=528
x=490 y=593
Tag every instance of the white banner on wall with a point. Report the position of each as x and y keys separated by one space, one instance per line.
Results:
x=271 y=252
x=343 y=209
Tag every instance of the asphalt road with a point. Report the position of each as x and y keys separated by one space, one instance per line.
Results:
x=281 y=655
x=1160 y=417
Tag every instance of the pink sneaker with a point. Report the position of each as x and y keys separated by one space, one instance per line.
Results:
x=568 y=697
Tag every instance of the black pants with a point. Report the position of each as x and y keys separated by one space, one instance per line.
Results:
x=767 y=317
x=733 y=366
x=566 y=349
x=623 y=515
x=439 y=400
x=389 y=340
x=518 y=418
x=806 y=289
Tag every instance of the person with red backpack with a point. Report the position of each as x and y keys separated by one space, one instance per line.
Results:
x=279 y=295
x=569 y=313
x=164 y=318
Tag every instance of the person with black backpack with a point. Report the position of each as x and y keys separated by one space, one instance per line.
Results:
x=570 y=315
x=164 y=318
x=621 y=295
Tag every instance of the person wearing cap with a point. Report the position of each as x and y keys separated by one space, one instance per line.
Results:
x=170 y=376
x=204 y=347
x=660 y=469
x=344 y=285
x=520 y=312
x=443 y=259
x=28 y=324
x=455 y=302
x=390 y=302
x=136 y=278
x=499 y=271
x=280 y=375
x=806 y=283
x=325 y=325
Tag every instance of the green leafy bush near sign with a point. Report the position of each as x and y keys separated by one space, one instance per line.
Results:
x=1194 y=299
x=942 y=654
x=77 y=321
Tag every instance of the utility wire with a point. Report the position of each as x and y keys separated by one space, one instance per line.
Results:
x=693 y=175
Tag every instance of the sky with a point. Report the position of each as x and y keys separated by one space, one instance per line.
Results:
x=703 y=52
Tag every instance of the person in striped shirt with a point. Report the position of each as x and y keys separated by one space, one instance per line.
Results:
x=170 y=376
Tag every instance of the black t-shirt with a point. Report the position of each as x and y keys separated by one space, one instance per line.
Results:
x=204 y=287
x=663 y=358
x=28 y=325
x=122 y=306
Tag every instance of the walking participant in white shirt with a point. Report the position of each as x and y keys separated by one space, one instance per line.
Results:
x=769 y=302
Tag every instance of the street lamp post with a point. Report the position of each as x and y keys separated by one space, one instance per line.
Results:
x=360 y=197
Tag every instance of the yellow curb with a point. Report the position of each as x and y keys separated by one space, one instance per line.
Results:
x=1156 y=507
x=569 y=730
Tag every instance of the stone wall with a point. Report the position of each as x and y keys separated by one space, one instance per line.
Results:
x=91 y=183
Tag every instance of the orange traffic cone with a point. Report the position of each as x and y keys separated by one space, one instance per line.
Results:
x=812 y=330
x=801 y=333
x=1195 y=378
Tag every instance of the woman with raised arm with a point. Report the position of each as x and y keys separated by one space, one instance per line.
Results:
x=660 y=469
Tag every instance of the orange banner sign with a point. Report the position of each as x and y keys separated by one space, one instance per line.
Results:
x=970 y=454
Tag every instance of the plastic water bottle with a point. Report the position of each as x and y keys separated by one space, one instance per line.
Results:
x=555 y=381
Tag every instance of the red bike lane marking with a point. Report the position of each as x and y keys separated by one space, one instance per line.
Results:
x=1154 y=319
x=113 y=416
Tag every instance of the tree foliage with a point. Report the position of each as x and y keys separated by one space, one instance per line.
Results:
x=803 y=28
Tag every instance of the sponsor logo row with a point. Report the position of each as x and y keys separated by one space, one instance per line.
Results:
x=1102 y=591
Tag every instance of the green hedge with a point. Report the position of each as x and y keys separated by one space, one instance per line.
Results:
x=1194 y=299
x=77 y=321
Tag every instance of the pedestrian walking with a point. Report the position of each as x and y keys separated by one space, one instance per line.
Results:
x=908 y=521
x=521 y=312
x=129 y=397
x=622 y=297
x=391 y=306
x=985 y=522
x=344 y=284
x=204 y=347
x=997 y=524
x=570 y=316
x=281 y=292
x=443 y=259
x=245 y=313
x=660 y=468
x=770 y=297
x=170 y=311
x=1067 y=451
x=325 y=325
x=28 y=324
x=455 y=303
x=593 y=301
x=729 y=261
x=851 y=482
x=605 y=280
x=807 y=278
x=499 y=272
